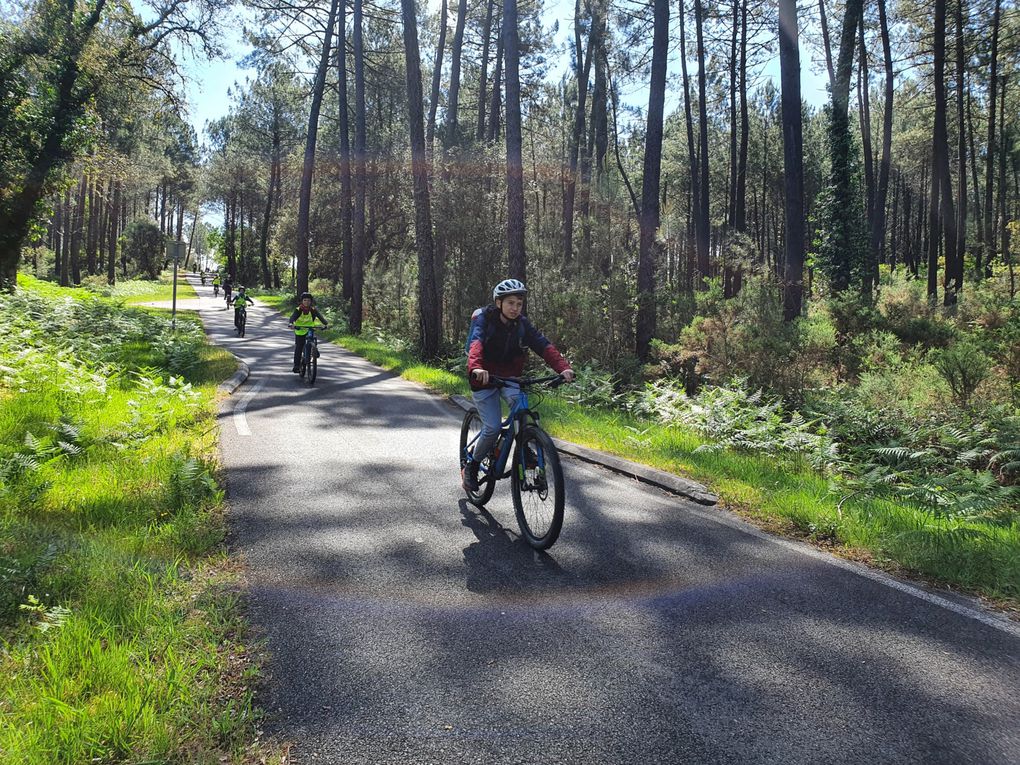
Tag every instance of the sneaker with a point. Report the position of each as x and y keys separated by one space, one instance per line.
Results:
x=295 y=370
x=469 y=475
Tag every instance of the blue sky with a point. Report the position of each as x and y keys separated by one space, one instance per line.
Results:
x=209 y=80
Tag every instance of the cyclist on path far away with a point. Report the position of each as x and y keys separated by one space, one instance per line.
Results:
x=304 y=316
x=498 y=341
x=239 y=302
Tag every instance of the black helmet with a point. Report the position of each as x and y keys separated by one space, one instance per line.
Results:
x=306 y=295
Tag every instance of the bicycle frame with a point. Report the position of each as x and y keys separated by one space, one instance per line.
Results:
x=510 y=430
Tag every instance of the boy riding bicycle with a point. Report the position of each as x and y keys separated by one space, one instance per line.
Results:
x=304 y=316
x=497 y=344
x=240 y=300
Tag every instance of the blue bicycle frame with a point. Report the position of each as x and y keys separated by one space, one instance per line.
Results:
x=508 y=432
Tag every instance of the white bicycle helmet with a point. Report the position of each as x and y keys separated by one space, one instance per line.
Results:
x=508 y=287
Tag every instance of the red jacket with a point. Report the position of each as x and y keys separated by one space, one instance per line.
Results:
x=501 y=348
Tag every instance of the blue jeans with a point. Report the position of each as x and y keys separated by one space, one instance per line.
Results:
x=488 y=404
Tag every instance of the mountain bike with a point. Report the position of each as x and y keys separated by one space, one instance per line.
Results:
x=216 y=290
x=240 y=319
x=536 y=477
x=310 y=356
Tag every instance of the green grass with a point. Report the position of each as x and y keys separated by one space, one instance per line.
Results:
x=783 y=494
x=122 y=635
x=139 y=291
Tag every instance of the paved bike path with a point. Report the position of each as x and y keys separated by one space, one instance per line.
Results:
x=406 y=626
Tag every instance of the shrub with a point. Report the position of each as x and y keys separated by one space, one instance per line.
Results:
x=963 y=366
x=144 y=246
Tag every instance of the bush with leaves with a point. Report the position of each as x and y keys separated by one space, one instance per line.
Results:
x=963 y=366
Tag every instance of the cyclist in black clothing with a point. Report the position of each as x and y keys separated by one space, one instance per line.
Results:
x=228 y=288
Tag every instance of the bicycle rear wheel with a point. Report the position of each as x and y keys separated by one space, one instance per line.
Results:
x=469 y=430
x=537 y=485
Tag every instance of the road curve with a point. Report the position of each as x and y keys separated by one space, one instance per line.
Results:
x=406 y=626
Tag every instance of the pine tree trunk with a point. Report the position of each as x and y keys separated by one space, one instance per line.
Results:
x=793 y=164
x=305 y=198
x=346 y=190
x=989 y=253
x=582 y=72
x=649 y=220
x=437 y=73
x=517 y=260
x=881 y=195
x=483 y=78
x=360 y=172
x=740 y=216
x=702 y=217
x=428 y=301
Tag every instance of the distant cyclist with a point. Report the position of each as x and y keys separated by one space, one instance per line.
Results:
x=498 y=344
x=216 y=284
x=239 y=302
x=304 y=316
x=228 y=289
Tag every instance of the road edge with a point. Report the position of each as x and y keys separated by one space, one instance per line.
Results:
x=670 y=482
x=227 y=387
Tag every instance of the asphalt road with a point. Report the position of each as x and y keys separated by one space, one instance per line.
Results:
x=406 y=626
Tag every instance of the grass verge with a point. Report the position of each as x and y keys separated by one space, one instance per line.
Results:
x=784 y=495
x=121 y=633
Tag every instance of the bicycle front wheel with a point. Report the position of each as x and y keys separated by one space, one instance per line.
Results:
x=241 y=323
x=313 y=367
x=537 y=484
x=469 y=431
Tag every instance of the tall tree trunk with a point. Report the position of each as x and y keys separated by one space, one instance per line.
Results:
x=517 y=260
x=305 y=198
x=274 y=169
x=78 y=230
x=731 y=191
x=437 y=74
x=360 y=172
x=649 y=221
x=702 y=218
x=428 y=301
x=692 y=155
x=92 y=227
x=65 y=241
x=940 y=160
x=979 y=228
x=450 y=128
x=987 y=208
x=346 y=190
x=1003 y=220
x=878 y=214
x=600 y=104
x=113 y=232
x=492 y=133
x=961 y=150
x=582 y=72
x=825 y=43
x=864 y=111
x=740 y=215
x=483 y=78
x=793 y=160
x=845 y=219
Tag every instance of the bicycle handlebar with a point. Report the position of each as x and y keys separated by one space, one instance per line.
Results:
x=553 y=381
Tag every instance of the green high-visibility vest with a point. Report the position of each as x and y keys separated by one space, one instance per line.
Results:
x=304 y=320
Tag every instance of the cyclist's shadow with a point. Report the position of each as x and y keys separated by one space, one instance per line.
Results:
x=501 y=561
